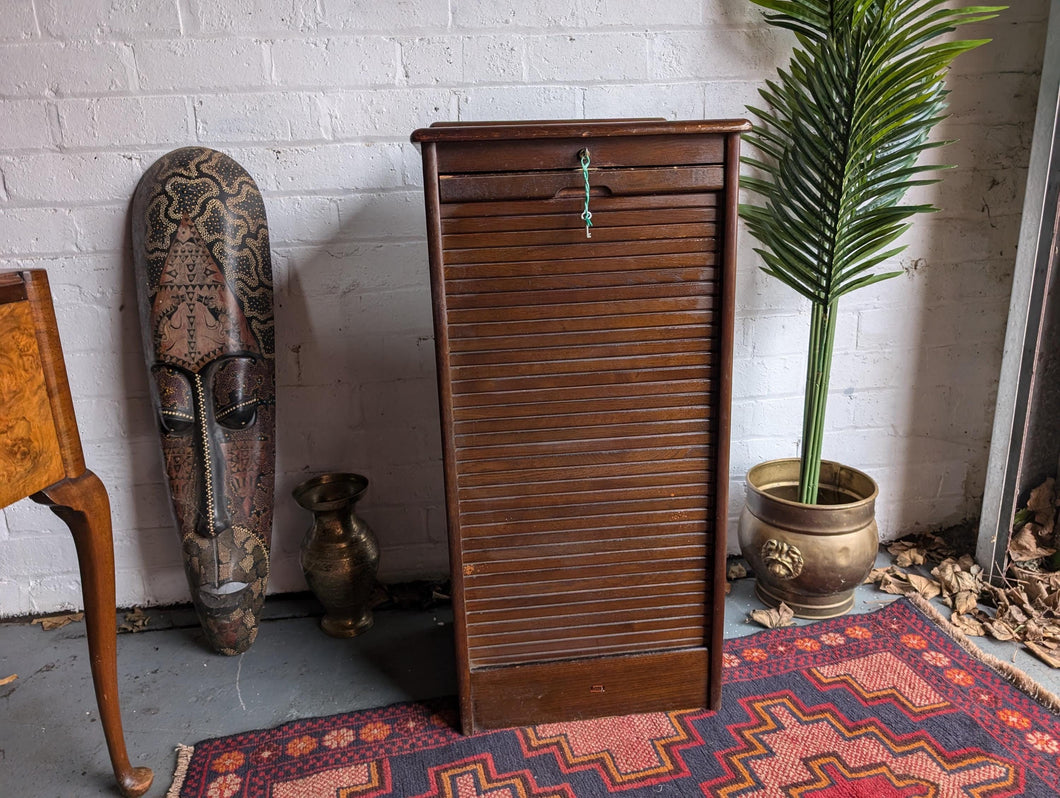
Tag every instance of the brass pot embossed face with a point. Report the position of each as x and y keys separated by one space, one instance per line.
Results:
x=783 y=560
x=205 y=289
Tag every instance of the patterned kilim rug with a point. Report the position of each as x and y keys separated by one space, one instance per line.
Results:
x=883 y=705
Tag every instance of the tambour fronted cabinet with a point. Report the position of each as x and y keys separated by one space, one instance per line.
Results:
x=584 y=378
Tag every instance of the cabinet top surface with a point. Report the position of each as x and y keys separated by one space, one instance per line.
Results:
x=572 y=128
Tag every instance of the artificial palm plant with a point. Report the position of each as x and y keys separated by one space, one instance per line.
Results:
x=840 y=144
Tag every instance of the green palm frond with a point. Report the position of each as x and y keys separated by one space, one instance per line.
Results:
x=840 y=138
x=843 y=130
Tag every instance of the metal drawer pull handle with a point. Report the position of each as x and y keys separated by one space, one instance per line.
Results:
x=587 y=215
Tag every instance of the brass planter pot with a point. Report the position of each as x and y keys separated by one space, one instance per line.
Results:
x=339 y=554
x=810 y=556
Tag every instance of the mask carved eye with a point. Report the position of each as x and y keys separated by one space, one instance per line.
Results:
x=176 y=401
x=237 y=390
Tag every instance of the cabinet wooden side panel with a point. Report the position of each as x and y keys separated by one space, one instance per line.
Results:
x=30 y=458
x=564 y=691
x=436 y=255
x=727 y=327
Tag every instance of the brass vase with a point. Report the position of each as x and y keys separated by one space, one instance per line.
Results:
x=810 y=556
x=340 y=554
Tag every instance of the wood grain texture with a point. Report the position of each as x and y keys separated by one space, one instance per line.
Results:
x=30 y=457
x=40 y=454
x=526 y=155
x=432 y=202
x=569 y=182
x=522 y=696
x=724 y=398
x=54 y=366
x=582 y=383
x=82 y=503
x=575 y=128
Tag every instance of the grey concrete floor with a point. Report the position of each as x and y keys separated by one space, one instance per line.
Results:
x=173 y=690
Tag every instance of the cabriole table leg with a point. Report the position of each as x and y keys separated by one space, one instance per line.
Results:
x=82 y=503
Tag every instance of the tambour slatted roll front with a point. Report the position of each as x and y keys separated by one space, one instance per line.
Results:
x=584 y=377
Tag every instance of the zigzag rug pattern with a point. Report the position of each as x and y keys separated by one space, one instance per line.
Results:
x=883 y=705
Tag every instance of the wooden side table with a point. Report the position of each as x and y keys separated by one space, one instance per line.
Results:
x=41 y=457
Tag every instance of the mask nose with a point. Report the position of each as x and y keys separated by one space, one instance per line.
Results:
x=208 y=527
x=212 y=517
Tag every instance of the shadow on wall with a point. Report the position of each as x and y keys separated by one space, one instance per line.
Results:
x=357 y=389
x=950 y=317
x=151 y=511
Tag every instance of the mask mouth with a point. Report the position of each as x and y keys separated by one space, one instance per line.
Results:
x=222 y=598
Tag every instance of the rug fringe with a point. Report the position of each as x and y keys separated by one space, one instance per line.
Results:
x=180 y=772
x=1009 y=671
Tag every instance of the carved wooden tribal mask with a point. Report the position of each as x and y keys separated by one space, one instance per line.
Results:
x=204 y=278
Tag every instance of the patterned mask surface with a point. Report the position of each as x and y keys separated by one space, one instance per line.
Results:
x=204 y=278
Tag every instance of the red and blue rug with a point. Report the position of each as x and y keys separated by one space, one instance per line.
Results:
x=884 y=705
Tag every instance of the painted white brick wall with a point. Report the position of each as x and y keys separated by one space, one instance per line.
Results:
x=317 y=99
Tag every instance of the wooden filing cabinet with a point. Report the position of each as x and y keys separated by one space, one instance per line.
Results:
x=584 y=383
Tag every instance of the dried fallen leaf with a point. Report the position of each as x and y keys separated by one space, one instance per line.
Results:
x=907 y=559
x=8 y=679
x=1036 y=590
x=892 y=580
x=1049 y=579
x=58 y=621
x=1029 y=543
x=908 y=552
x=1027 y=608
x=894 y=587
x=932 y=547
x=1050 y=602
x=965 y=601
x=1033 y=632
x=968 y=580
x=775 y=618
x=1042 y=502
x=938 y=547
x=957 y=576
x=902 y=544
x=135 y=620
x=967 y=624
x=927 y=588
x=944 y=572
x=999 y=630
x=1013 y=615
x=1050 y=658
x=876 y=574
x=1051 y=630
x=736 y=571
